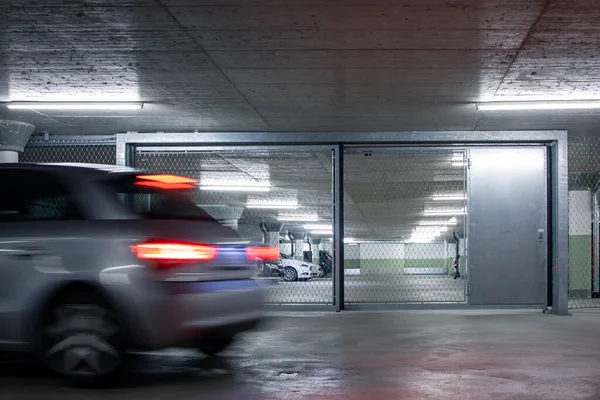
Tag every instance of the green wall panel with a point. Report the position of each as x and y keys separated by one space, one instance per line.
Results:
x=580 y=260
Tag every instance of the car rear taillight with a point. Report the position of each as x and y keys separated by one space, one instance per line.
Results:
x=263 y=253
x=169 y=253
x=165 y=181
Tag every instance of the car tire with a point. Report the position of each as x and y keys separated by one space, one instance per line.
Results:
x=290 y=274
x=214 y=345
x=82 y=340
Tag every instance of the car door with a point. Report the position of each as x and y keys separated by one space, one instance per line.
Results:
x=11 y=262
x=33 y=210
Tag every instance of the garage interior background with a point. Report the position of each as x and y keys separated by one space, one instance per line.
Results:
x=320 y=66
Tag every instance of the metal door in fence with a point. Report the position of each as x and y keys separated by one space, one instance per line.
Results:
x=402 y=208
x=283 y=197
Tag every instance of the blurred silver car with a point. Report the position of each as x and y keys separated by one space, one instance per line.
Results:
x=100 y=260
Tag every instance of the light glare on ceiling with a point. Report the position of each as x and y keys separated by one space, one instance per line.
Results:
x=83 y=105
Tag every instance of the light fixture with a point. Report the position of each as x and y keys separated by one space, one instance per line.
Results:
x=431 y=228
x=451 y=221
x=449 y=197
x=444 y=212
x=79 y=105
x=238 y=187
x=301 y=218
x=312 y=227
x=323 y=232
x=419 y=241
x=538 y=105
x=459 y=164
x=287 y=205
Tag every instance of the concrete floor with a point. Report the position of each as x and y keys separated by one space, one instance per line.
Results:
x=500 y=355
x=372 y=289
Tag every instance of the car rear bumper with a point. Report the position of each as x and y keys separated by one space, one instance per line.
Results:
x=192 y=309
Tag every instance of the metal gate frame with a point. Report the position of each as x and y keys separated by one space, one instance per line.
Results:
x=556 y=142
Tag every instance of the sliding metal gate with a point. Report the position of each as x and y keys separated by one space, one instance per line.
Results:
x=403 y=208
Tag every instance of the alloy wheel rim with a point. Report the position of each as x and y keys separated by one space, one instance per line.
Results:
x=80 y=341
x=289 y=274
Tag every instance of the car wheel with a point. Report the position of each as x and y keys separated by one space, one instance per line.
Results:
x=290 y=274
x=82 y=340
x=213 y=345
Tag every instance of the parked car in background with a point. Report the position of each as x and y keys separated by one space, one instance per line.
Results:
x=97 y=260
x=294 y=270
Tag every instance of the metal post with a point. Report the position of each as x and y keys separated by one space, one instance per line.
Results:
x=595 y=233
x=560 y=227
x=338 y=227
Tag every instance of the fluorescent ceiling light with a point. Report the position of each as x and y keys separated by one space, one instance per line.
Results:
x=424 y=241
x=538 y=105
x=431 y=228
x=232 y=188
x=448 y=197
x=452 y=221
x=322 y=232
x=459 y=164
x=349 y=240
x=288 y=205
x=312 y=227
x=444 y=212
x=82 y=105
x=303 y=218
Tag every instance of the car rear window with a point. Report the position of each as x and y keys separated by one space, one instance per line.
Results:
x=155 y=203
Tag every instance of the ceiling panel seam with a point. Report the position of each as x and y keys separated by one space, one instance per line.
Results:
x=514 y=58
x=212 y=61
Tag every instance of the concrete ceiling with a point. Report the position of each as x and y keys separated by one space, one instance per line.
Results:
x=293 y=65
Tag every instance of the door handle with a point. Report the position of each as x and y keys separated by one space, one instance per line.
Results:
x=541 y=236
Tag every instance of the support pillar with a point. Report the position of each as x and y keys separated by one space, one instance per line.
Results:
x=13 y=138
x=316 y=246
x=299 y=244
x=271 y=232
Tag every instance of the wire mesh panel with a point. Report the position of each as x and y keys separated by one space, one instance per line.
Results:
x=279 y=197
x=403 y=208
x=75 y=153
x=584 y=181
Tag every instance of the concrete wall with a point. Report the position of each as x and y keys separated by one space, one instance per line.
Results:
x=580 y=243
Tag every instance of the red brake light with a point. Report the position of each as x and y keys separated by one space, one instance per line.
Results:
x=167 y=253
x=262 y=253
x=167 y=178
x=165 y=181
x=166 y=186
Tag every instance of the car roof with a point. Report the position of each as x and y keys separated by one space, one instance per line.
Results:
x=71 y=167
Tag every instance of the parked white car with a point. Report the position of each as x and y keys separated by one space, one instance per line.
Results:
x=294 y=270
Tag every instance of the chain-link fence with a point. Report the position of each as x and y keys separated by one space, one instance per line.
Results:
x=88 y=151
x=402 y=209
x=283 y=198
x=584 y=181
